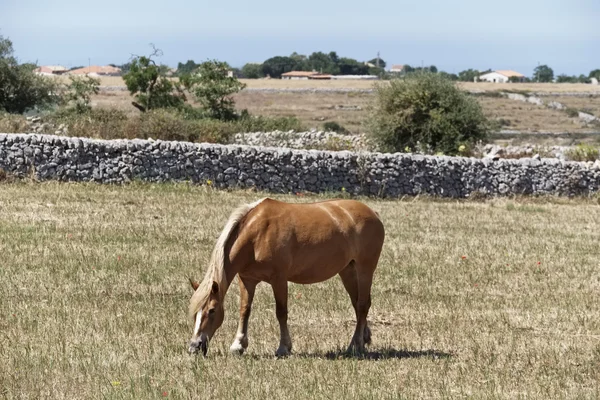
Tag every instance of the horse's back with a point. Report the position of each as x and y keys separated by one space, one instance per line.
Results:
x=351 y=219
x=311 y=241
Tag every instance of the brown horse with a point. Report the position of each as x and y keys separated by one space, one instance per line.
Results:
x=276 y=242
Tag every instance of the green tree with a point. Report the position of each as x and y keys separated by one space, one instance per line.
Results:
x=594 y=74
x=426 y=111
x=321 y=62
x=252 y=71
x=349 y=66
x=275 y=66
x=21 y=89
x=468 y=75
x=449 y=76
x=187 y=68
x=543 y=73
x=213 y=88
x=382 y=63
x=147 y=83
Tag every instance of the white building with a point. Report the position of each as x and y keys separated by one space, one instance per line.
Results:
x=397 y=68
x=501 y=76
x=50 y=70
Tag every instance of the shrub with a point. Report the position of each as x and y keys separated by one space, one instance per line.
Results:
x=172 y=125
x=572 y=112
x=248 y=123
x=335 y=144
x=332 y=126
x=425 y=110
x=98 y=123
x=11 y=123
x=583 y=152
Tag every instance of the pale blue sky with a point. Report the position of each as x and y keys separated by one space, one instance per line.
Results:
x=454 y=35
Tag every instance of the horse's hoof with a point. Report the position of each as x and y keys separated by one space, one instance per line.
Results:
x=354 y=350
x=237 y=349
x=283 y=352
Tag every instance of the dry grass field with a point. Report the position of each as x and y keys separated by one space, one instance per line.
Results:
x=358 y=84
x=494 y=299
x=350 y=109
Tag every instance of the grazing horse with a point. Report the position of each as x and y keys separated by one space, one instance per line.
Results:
x=276 y=242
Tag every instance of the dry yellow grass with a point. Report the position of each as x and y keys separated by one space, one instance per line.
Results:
x=313 y=109
x=527 y=117
x=358 y=84
x=496 y=299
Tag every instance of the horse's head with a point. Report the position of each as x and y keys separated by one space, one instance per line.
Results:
x=207 y=312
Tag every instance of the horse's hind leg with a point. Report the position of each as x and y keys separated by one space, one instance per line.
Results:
x=280 y=291
x=247 y=288
x=350 y=281
x=364 y=278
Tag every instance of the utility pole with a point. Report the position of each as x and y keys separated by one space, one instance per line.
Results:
x=377 y=59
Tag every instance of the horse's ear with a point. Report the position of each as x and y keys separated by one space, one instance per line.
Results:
x=194 y=284
x=215 y=288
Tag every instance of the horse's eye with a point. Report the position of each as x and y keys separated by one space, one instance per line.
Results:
x=211 y=311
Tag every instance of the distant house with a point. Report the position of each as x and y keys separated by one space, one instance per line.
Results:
x=49 y=70
x=501 y=76
x=298 y=75
x=397 y=68
x=96 y=70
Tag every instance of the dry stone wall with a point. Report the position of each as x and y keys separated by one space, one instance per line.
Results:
x=284 y=170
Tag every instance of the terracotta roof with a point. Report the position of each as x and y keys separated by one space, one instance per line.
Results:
x=96 y=69
x=49 y=69
x=299 y=73
x=397 y=66
x=508 y=73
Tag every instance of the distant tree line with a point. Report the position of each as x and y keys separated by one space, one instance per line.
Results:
x=331 y=63
x=326 y=63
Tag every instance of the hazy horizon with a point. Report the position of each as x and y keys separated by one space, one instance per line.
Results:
x=510 y=35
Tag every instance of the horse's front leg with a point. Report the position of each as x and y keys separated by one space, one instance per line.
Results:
x=247 y=288
x=280 y=291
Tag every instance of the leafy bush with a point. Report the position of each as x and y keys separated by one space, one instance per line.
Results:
x=20 y=88
x=332 y=126
x=427 y=111
x=583 y=152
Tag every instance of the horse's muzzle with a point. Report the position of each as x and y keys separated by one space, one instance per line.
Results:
x=199 y=344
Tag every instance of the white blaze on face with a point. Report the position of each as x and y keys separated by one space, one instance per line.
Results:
x=198 y=322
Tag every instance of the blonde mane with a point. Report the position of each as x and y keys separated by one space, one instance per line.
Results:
x=216 y=267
